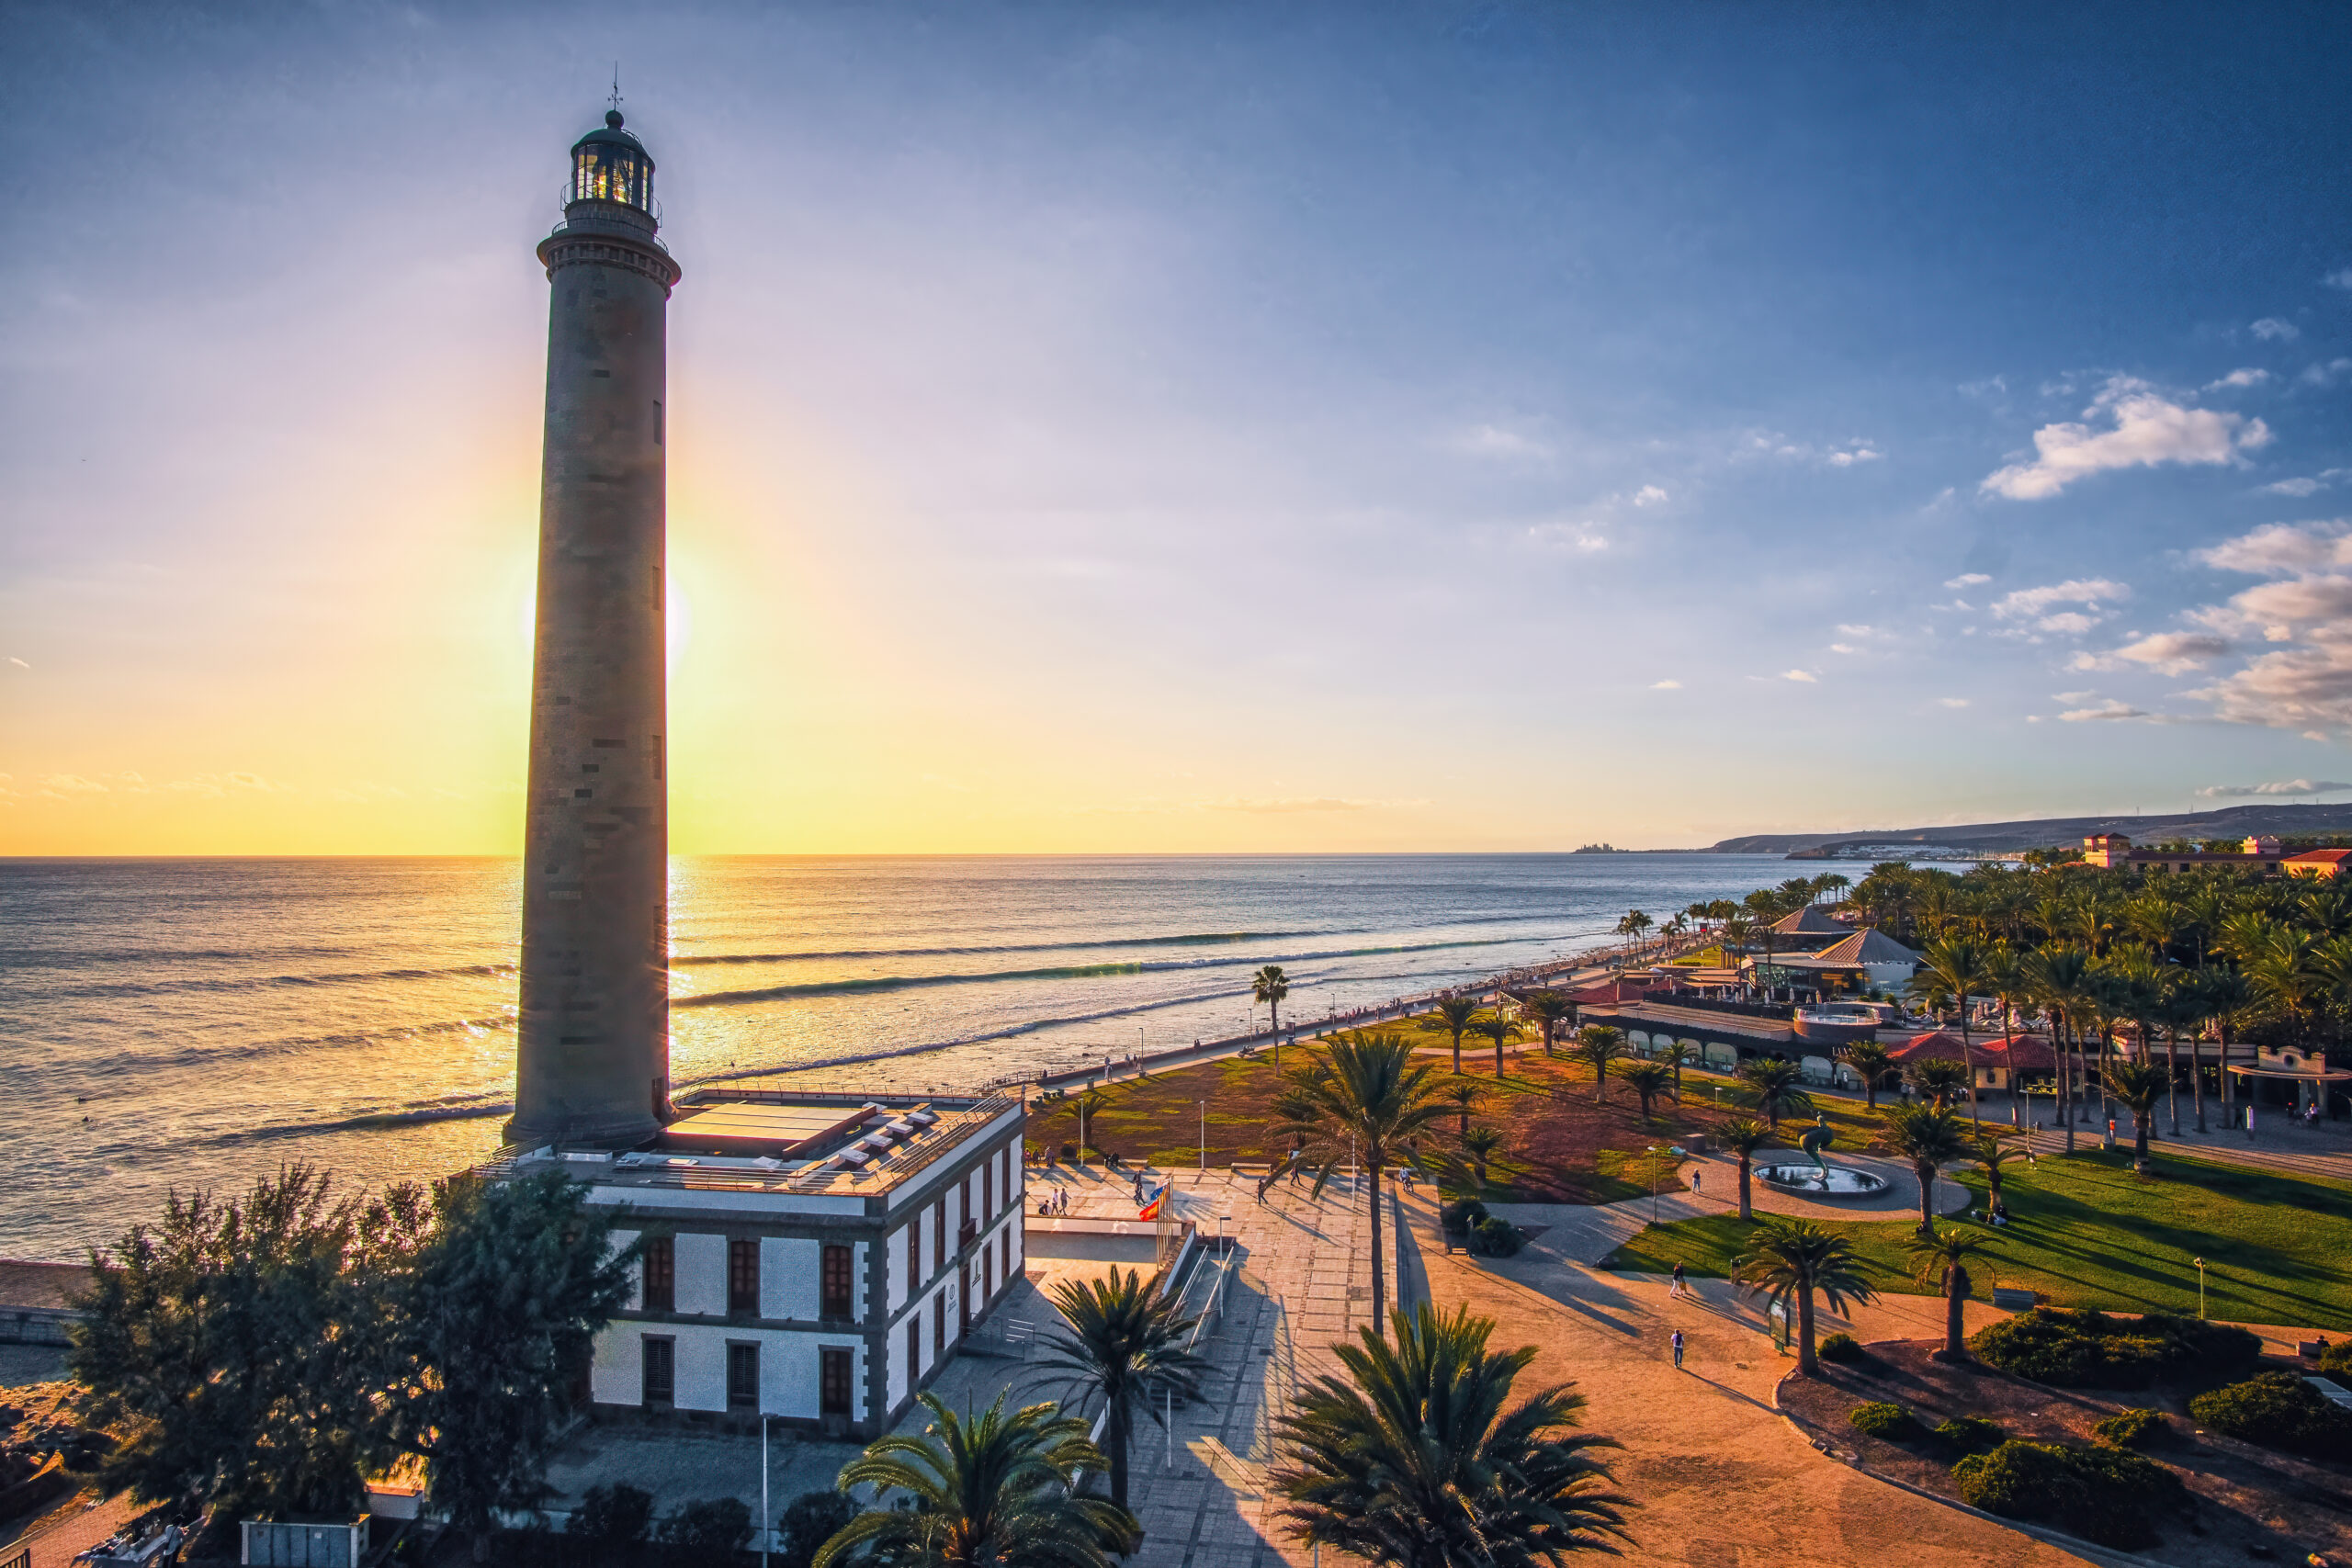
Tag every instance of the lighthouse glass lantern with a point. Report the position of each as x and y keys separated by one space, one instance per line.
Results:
x=612 y=165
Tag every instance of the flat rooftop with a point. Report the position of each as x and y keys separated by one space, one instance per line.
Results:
x=776 y=1141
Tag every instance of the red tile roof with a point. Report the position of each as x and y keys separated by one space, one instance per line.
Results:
x=2019 y=1053
x=1615 y=991
x=2318 y=857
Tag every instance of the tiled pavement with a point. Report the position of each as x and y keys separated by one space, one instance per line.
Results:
x=1300 y=1280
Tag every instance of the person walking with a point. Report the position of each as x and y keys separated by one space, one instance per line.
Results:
x=1676 y=1289
x=1678 y=1349
x=1696 y=1177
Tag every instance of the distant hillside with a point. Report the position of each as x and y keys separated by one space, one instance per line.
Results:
x=2227 y=822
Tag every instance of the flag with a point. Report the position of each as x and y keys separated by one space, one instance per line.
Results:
x=1151 y=1210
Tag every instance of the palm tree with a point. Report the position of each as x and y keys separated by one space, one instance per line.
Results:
x=1366 y=1100
x=1930 y=1137
x=1501 y=1031
x=1939 y=1258
x=1634 y=923
x=1775 y=1087
x=1412 y=1460
x=994 y=1488
x=2229 y=999
x=1465 y=1094
x=1992 y=1151
x=1599 y=1045
x=1270 y=986
x=1549 y=1010
x=1478 y=1147
x=1794 y=1259
x=1453 y=1016
x=2138 y=1085
x=1121 y=1338
x=1743 y=1135
x=1870 y=1062
x=1935 y=1079
x=1648 y=1079
x=1953 y=968
x=2060 y=979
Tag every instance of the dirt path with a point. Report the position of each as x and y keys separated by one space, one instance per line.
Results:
x=1723 y=1478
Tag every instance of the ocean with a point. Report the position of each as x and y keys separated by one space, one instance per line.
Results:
x=182 y=1024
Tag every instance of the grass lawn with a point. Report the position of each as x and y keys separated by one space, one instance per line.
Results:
x=2087 y=1232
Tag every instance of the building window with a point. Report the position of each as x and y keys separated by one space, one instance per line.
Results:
x=743 y=1276
x=939 y=1325
x=742 y=1374
x=661 y=1370
x=939 y=1236
x=832 y=1390
x=836 y=1299
x=914 y=1256
x=661 y=1275
x=987 y=1188
x=914 y=1350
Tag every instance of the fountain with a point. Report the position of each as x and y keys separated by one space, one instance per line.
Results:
x=1820 y=1179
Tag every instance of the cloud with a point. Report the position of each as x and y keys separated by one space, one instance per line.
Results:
x=1569 y=536
x=2270 y=329
x=1860 y=453
x=2072 y=696
x=2339 y=279
x=2107 y=709
x=2324 y=375
x=2282 y=786
x=1967 y=580
x=2297 y=487
x=2300 y=688
x=2245 y=378
x=2149 y=430
x=2034 y=605
x=1952 y=702
x=2277 y=549
x=2173 y=653
x=64 y=786
x=1496 y=441
x=1666 y=685
x=1843 y=647
x=1806 y=675
x=18 y=662
x=1853 y=628
x=1649 y=495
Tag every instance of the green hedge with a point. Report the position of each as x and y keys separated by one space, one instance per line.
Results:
x=1840 y=1347
x=1891 y=1422
x=2278 y=1410
x=2133 y=1428
x=1496 y=1237
x=1970 y=1434
x=2101 y=1494
x=2090 y=1349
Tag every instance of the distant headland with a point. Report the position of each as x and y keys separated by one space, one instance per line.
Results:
x=1971 y=840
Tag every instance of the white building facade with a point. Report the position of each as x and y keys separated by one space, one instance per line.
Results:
x=808 y=1258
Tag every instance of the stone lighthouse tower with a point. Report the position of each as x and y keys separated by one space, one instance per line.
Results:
x=594 y=1060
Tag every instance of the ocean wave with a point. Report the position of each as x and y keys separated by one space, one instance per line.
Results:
x=1195 y=939
x=361 y=1122
x=869 y=984
x=269 y=981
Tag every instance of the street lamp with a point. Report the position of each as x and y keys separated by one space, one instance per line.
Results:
x=1657 y=1174
x=1204 y=1136
x=2200 y=1285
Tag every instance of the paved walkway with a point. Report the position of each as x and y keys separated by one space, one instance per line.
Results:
x=1586 y=1233
x=1722 y=1477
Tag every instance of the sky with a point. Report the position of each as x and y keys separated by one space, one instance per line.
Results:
x=1164 y=427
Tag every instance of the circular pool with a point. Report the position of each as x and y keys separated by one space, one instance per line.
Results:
x=1808 y=1182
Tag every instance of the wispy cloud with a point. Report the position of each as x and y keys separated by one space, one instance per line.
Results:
x=1806 y=675
x=18 y=662
x=2247 y=376
x=1952 y=702
x=2168 y=653
x=2340 y=280
x=2324 y=373
x=1666 y=685
x=2272 y=329
x=2036 y=606
x=2147 y=429
x=1649 y=495
x=1966 y=579
x=2107 y=709
x=1496 y=441
x=2282 y=787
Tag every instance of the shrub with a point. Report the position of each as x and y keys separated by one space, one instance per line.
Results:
x=1494 y=1237
x=2090 y=1349
x=2102 y=1493
x=1970 y=1434
x=1888 y=1421
x=2335 y=1361
x=712 y=1526
x=616 y=1513
x=812 y=1519
x=1459 y=1216
x=2278 y=1410
x=1840 y=1347
x=2133 y=1428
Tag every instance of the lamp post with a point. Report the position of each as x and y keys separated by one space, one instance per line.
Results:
x=1204 y=1136
x=2200 y=1285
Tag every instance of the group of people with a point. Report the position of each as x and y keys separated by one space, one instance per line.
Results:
x=1054 y=1203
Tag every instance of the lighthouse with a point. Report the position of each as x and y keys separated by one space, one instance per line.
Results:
x=593 y=1060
